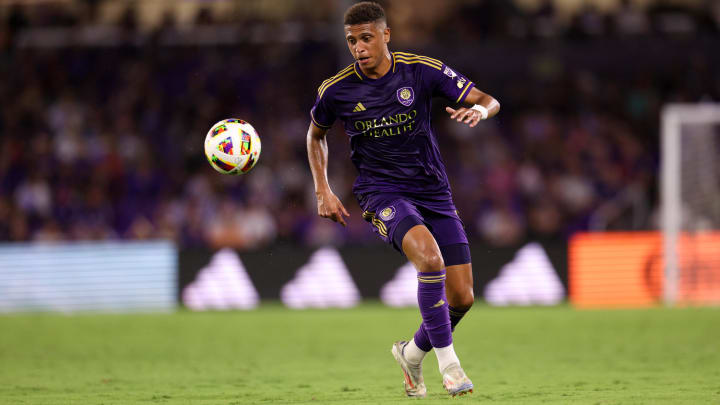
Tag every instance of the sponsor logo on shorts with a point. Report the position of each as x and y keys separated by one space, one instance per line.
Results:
x=388 y=213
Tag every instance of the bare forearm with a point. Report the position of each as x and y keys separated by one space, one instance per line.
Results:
x=318 y=157
x=329 y=205
x=478 y=97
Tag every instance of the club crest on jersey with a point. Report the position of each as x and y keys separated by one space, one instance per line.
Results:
x=387 y=213
x=405 y=96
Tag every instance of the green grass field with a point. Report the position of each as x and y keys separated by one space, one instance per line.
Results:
x=274 y=355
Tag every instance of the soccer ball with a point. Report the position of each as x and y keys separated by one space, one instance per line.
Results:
x=232 y=146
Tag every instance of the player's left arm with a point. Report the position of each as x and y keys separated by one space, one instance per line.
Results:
x=481 y=106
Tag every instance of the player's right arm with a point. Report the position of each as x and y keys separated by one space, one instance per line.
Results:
x=329 y=205
x=471 y=116
x=455 y=87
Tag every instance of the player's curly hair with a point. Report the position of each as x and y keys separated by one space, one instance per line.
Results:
x=365 y=12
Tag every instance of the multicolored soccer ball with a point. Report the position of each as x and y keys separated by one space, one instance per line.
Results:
x=232 y=146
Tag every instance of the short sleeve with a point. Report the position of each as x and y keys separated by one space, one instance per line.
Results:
x=448 y=83
x=322 y=114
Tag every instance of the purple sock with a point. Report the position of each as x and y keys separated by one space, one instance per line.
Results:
x=435 y=329
x=422 y=340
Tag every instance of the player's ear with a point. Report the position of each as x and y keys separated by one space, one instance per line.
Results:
x=386 y=35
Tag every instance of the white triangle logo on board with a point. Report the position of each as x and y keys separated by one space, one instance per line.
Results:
x=401 y=291
x=323 y=282
x=529 y=279
x=222 y=284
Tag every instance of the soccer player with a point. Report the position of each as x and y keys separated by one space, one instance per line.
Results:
x=383 y=100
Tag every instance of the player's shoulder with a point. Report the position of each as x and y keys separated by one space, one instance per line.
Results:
x=331 y=83
x=411 y=59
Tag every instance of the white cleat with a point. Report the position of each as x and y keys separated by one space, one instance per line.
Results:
x=455 y=381
x=414 y=383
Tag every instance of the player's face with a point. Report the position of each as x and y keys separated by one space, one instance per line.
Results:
x=368 y=43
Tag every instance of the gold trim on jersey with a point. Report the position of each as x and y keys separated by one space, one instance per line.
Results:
x=340 y=73
x=334 y=76
x=410 y=58
x=467 y=86
x=415 y=60
x=356 y=72
x=424 y=62
x=418 y=57
x=317 y=124
x=412 y=55
x=339 y=76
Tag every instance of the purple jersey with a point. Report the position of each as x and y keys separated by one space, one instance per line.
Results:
x=392 y=142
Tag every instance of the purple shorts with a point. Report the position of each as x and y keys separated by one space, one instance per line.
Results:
x=392 y=216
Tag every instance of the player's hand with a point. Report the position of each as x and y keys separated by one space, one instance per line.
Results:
x=463 y=114
x=329 y=206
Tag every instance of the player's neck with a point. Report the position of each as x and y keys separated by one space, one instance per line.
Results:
x=381 y=69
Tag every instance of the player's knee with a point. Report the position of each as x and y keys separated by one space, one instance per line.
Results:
x=422 y=250
x=465 y=301
x=430 y=261
x=461 y=298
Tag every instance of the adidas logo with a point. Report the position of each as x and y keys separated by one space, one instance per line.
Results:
x=359 y=107
x=439 y=304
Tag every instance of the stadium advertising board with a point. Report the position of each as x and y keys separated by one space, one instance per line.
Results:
x=301 y=277
x=88 y=276
x=625 y=269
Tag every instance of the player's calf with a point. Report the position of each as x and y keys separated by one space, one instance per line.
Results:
x=459 y=291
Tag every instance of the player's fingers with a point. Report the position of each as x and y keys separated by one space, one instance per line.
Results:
x=472 y=117
x=455 y=113
x=342 y=211
x=339 y=218
x=476 y=119
x=328 y=216
x=469 y=117
x=451 y=111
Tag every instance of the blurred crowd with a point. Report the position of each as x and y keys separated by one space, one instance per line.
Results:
x=422 y=21
x=105 y=142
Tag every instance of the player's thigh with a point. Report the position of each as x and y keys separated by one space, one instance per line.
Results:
x=391 y=217
x=420 y=247
x=449 y=232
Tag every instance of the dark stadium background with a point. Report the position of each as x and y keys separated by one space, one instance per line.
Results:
x=105 y=105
